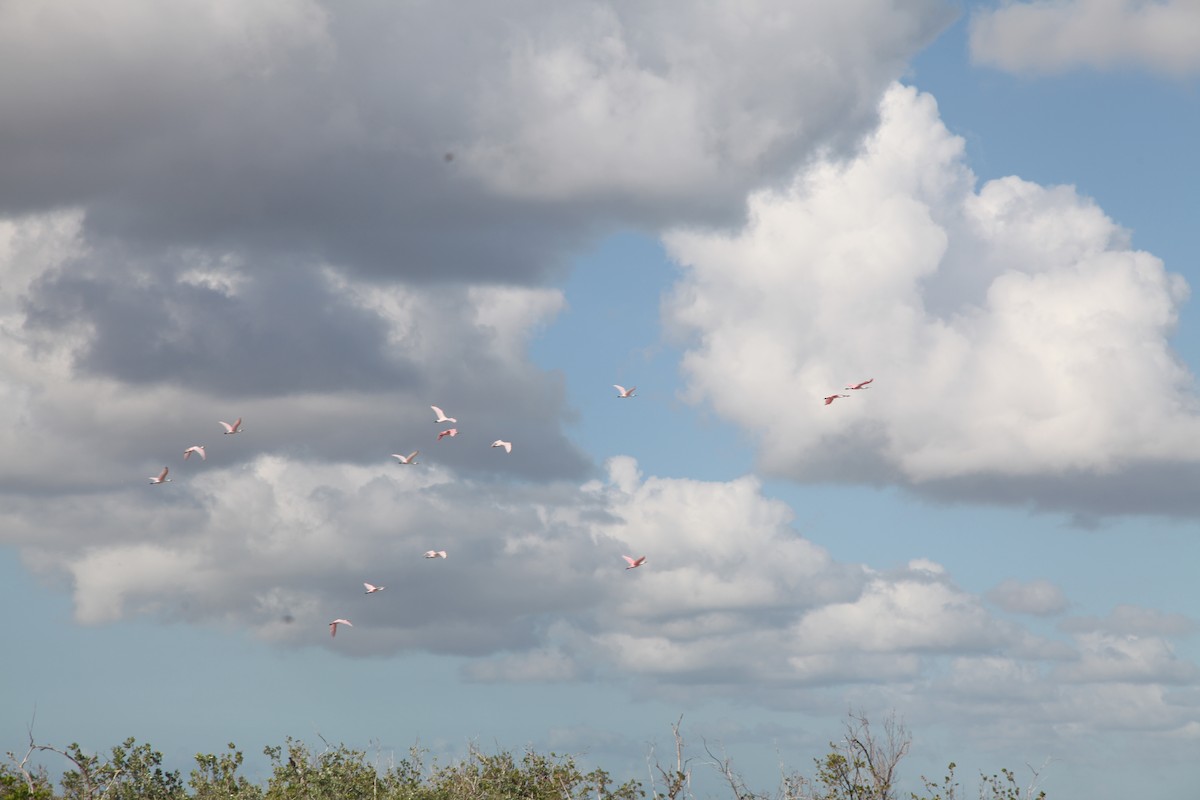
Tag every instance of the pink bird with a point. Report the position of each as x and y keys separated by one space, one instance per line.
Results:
x=435 y=553
x=333 y=625
x=634 y=562
x=451 y=432
x=408 y=459
x=196 y=448
x=234 y=428
x=862 y=385
x=501 y=443
x=161 y=477
x=623 y=392
x=372 y=589
x=441 y=417
x=833 y=397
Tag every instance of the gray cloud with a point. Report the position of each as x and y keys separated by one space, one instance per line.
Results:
x=1039 y=597
x=318 y=131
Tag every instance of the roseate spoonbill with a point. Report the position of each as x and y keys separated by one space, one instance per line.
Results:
x=833 y=397
x=623 y=392
x=197 y=449
x=372 y=588
x=234 y=428
x=435 y=553
x=634 y=562
x=501 y=443
x=408 y=459
x=451 y=432
x=862 y=385
x=161 y=477
x=333 y=625
x=441 y=417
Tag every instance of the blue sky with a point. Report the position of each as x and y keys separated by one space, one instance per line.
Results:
x=738 y=211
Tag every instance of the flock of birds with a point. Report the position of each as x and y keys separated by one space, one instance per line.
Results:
x=861 y=385
x=411 y=459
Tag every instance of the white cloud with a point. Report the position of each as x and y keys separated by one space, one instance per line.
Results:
x=1105 y=657
x=1015 y=339
x=1058 y=35
x=535 y=589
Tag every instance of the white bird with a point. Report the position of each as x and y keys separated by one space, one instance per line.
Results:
x=234 y=428
x=408 y=459
x=372 y=589
x=501 y=443
x=634 y=562
x=435 y=553
x=161 y=477
x=441 y=417
x=623 y=392
x=196 y=448
x=333 y=625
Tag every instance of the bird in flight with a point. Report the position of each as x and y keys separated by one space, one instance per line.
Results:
x=333 y=625
x=634 y=562
x=833 y=397
x=435 y=553
x=408 y=459
x=623 y=392
x=501 y=443
x=161 y=477
x=234 y=428
x=198 y=449
x=372 y=589
x=451 y=432
x=862 y=385
x=441 y=416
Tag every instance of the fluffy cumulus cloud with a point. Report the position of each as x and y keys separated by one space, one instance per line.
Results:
x=534 y=589
x=1019 y=346
x=1053 y=35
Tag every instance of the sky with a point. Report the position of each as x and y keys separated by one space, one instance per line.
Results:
x=324 y=218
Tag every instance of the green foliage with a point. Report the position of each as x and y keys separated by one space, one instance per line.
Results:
x=991 y=787
x=1007 y=788
x=843 y=778
x=535 y=777
x=339 y=773
x=15 y=786
x=215 y=778
x=131 y=772
x=948 y=790
x=863 y=766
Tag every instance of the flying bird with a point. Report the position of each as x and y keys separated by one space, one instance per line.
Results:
x=161 y=477
x=372 y=589
x=634 y=562
x=333 y=625
x=435 y=553
x=501 y=443
x=862 y=385
x=833 y=397
x=234 y=428
x=441 y=416
x=451 y=432
x=196 y=448
x=408 y=459
x=623 y=392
